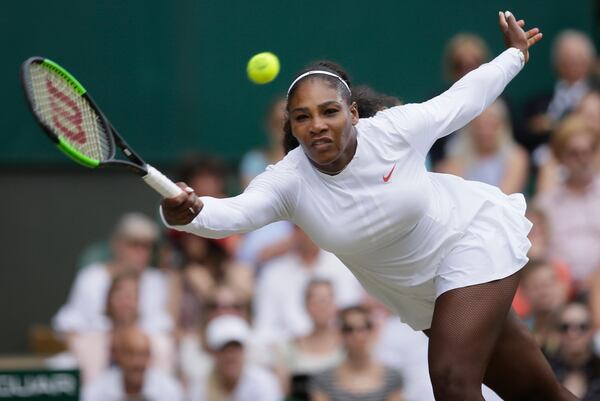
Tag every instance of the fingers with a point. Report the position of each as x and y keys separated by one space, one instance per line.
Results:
x=533 y=40
x=521 y=23
x=502 y=21
x=182 y=208
x=511 y=20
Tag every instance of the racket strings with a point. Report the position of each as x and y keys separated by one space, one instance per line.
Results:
x=68 y=114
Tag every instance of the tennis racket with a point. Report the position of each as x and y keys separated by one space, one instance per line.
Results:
x=78 y=127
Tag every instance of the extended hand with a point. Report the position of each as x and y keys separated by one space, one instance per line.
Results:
x=183 y=208
x=515 y=36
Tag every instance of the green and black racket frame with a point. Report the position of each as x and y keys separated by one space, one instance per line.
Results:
x=77 y=126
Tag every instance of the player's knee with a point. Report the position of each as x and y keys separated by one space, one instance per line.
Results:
x=451 y=382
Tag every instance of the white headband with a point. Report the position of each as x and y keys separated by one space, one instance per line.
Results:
x=317 y=72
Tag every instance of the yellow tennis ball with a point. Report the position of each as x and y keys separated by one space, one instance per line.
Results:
x=263 y=68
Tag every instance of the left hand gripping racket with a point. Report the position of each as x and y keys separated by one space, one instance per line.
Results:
x=76 y=125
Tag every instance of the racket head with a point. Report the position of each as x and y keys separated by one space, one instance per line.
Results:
x=67 y=113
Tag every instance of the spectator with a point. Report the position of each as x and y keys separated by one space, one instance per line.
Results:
x=232 y=378
x=132 y=378
x=464 y=52
x=545 y=294
x=93 y=350
x=207 y=265
x=486 y=152
x=279 y=304
x=573 y=56
x=572 y=207
x=319 y=350
x=132 y=243
x=360 y=376
x=575 y=364
x=195 y=361
x=256 y=161
x=539 y=236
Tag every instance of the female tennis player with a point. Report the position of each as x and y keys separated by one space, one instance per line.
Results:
x=442 y=252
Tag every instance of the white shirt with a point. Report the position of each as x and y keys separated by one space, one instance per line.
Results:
x=384 y=216
x=279 y=300
x=158 y=386
x=85 y=310
x=255 y=384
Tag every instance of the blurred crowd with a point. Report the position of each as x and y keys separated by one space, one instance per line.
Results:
x=269 y=316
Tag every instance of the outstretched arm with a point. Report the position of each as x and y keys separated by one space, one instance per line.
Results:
x=422 y=124
x=269 y=198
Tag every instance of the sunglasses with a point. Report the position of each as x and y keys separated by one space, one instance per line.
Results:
x=214 y=306
x=565 y=327
x=348 y=329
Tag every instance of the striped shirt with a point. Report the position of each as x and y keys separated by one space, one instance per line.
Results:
x=325 y=382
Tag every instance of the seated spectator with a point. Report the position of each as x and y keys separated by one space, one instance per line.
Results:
x=319 y=350
x=589 y=110
x=194 y=359
x=575 y=364
x=573 y=55
x=256 y=161
x=572 y=207
x=132 y=243
x=279 y=304
x=539 y=236
x=207 y=265
x=360 y=376
x=132 y=378
x=93 y=350
x=486 y=152
x=546 y=294
x=464 y=52
x=231 y=377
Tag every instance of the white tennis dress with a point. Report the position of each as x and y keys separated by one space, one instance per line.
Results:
x=407 y=234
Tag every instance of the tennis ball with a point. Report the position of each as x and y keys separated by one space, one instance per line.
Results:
x=263 y=68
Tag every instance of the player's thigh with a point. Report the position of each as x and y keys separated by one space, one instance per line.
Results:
x=466 y=324
x=518 y=370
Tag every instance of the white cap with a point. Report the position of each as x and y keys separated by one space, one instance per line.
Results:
x=225 y=329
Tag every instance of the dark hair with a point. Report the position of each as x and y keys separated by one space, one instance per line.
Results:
x=197 y=165
x=368 y=101
x=343 y=314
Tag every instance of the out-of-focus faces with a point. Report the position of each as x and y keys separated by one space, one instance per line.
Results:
x=573 y=60
x=132 y=353
x=320 y=304
x=133 y=253
x=225 y=301
x=578 y=156
x=357 y=333
x=589 y=110
x=123 y=302
x=275 y=122
x=485 y=132
x=538 y=236
x=208 y=184
x=543 y=289
x=575 y=328
x=465 y=59
x=229 y=361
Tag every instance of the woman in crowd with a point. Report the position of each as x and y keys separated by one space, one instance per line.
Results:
x=360 y=376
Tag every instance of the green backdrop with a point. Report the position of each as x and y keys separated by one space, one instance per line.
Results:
x=171 y=75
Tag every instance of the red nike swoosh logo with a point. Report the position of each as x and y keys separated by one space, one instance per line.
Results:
x=387 y=177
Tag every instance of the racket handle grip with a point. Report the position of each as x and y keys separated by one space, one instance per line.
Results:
x=160 y=183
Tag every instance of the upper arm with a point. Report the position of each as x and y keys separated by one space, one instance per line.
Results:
x=395 y=396
x=423 y=123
